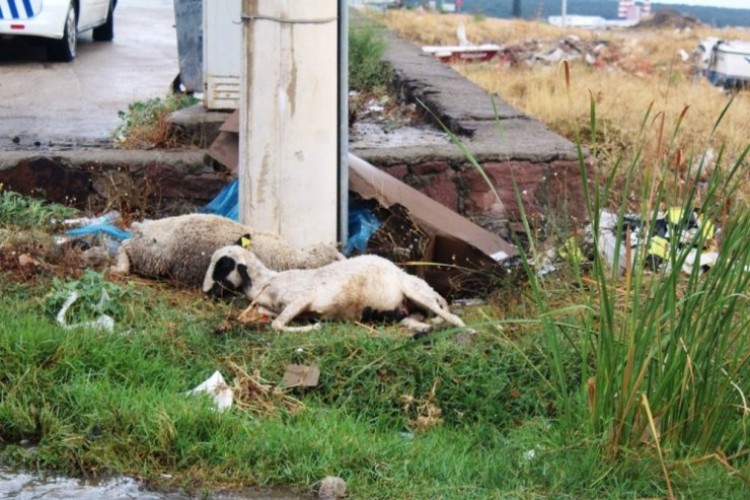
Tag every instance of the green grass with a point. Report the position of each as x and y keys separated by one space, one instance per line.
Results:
x=92 y=402
x=584 y=384
x=367 y=45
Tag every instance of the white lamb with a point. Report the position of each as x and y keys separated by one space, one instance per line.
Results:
x=180 y=248
x=360 y=288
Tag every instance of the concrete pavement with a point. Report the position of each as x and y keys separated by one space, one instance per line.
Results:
x=76 y=104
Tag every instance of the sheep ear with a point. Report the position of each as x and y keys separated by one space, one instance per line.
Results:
x=242 y=271
x=245 y=241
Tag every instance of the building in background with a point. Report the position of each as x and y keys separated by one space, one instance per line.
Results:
x=631 y=10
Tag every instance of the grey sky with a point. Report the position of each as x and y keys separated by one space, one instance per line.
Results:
x=735 y=4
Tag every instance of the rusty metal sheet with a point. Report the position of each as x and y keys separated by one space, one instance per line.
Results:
x=460 y=258
x=226 y=150
x=232 y=124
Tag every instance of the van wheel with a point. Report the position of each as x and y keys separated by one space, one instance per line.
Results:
x=64 y=50
x=106 y=32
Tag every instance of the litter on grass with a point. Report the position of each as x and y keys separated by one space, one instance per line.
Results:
x=687 y=238
x=247 y=392
x=100 y=231
x=254 y=394
x=103 y=322
x=216 y=387
x=301 y=376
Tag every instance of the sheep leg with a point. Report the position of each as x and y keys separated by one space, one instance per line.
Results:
x=123 y=260
x=413 y=323
x=254 y=313
x=430 y=300
x=291 y=311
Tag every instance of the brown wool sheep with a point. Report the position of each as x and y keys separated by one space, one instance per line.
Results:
x=180 y=248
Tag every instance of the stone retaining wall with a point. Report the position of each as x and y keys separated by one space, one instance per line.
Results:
x=511 y=148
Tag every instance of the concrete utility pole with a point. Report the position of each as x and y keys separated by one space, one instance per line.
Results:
x=288 y=175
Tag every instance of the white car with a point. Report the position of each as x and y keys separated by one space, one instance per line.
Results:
x=57 y=22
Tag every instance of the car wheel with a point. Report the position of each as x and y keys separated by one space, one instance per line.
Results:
x=64 y=50
x=106 y=32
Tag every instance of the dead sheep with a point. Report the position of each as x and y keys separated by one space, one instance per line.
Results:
x=360 y=288
x=180 y=248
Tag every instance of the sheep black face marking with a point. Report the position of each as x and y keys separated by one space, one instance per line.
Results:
x=223 y=267
x=228 y=277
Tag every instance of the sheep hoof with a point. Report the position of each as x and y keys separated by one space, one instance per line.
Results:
x=295 y=329
x=117 y=270
x=465 y=338
x=414 y=323
x=421 y=333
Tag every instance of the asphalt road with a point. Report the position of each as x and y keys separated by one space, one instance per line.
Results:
x=76 y=104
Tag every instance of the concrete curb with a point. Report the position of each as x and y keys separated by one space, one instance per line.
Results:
x=154 y=181
x=187 y=158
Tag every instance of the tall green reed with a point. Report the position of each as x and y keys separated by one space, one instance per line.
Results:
x=662 y=356
x=667 y=350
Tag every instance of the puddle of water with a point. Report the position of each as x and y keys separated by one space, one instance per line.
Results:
x=25 y=486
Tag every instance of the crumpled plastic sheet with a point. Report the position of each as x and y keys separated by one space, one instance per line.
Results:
x=103 y=322
x=216 y=387
x=362 y=224
x=101 y=229
x=226 y=203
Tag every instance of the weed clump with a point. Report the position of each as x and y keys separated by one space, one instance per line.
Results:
x=96 y=296
x=367 y=72
x=145 y=123
x=23 y=212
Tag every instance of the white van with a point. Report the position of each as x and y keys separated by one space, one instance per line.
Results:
x=57 y=22
x=725 y=63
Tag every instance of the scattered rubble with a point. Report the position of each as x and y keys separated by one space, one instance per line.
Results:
x=668 y=18
x=382 y=121
x=531 y=52
x=597 y=53
x=332 y=488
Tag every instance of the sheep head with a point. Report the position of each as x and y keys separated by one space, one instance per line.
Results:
x=228 y=271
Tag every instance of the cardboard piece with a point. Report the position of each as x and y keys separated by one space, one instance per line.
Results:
x=301 y=376
x=226 y=147
x=226 y=150
x=232 y=124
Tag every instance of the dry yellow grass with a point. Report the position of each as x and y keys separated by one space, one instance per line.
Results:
x=647 y=72
x=430 y=28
